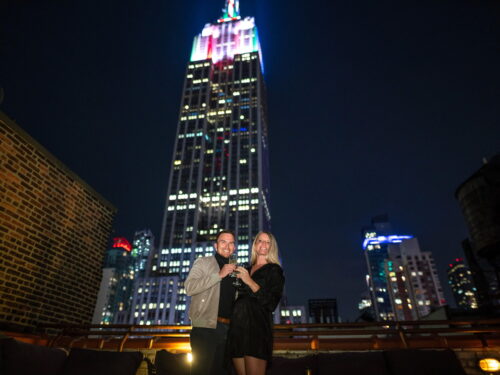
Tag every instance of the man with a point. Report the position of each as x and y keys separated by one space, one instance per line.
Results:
x=212 y=297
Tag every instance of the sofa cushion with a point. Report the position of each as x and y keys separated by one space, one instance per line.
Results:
x=19 y=358
x=292 y=366
x=428 y=362
x=96 y=362
x=167 y=363
x=357 y=363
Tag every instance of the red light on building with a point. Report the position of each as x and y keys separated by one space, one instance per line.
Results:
x=122 y=242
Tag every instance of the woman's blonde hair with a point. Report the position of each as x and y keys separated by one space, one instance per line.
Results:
x=272 y=255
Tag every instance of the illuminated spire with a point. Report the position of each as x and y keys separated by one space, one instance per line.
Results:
x=231 y=11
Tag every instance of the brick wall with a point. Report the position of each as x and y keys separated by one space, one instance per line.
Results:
x=54 y=230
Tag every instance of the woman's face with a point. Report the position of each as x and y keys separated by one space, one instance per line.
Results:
x=263 y=245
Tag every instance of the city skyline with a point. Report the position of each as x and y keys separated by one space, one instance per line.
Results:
x=375 y=108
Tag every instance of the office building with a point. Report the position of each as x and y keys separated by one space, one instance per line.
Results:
x=142 y=246
x=124 y=265
x=54 y=231
x=153 y=301
x=376 y=239
x=462 y=285
x=402 y=280
x=292 y=315
x=219 y=176
x=117 y=282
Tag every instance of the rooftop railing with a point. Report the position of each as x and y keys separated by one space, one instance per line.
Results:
x=289 y=337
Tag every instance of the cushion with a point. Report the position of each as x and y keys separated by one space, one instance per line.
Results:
x=19 y=358
x=359 y=363
x=96 y=362
x=292 y=366
x=167 y=363
x=428 y=362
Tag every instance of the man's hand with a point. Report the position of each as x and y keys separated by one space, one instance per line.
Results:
x=226 y=270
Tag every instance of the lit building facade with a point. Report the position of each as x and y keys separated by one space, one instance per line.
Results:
x=219 y=176
x=117 y=281
x=142 y=246
x=292 y=315
x=124 y=266
x=422 y=290
x=376 y=240
x=462 y=285
x=154 y=299
x=402 y=280
x=399 y=291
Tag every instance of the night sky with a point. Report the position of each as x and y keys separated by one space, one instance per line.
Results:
x=374 y=107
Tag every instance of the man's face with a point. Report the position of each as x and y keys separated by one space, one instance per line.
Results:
x=225 y=245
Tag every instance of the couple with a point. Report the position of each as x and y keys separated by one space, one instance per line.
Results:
x=244 y=322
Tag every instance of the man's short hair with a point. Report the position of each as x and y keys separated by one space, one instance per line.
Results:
x=223 y=232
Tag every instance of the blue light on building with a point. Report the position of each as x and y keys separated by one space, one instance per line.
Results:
x=384 y=240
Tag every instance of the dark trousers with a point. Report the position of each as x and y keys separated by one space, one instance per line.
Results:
x=208 y=347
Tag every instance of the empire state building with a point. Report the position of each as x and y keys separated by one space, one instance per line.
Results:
x=219 y=177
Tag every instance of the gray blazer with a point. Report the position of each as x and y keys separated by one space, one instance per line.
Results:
x=203 y=285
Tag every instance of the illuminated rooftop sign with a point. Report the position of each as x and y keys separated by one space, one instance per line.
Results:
x=122 y=242
x=377 y=240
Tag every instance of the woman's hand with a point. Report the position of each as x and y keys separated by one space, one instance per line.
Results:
x=242 y=273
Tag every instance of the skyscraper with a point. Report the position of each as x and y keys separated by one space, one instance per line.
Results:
x=376 y=239
x=402 y=280
x=142 y=246
x=113 y=300
x=123 y=265
x=462 y=285
x=219 y=176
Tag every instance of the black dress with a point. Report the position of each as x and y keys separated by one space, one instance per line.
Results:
x=251 y=330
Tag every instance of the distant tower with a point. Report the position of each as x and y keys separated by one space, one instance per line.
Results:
x=462 y=285
x=376 y=239
x=402 y=280
x=114 y=296
x=422 y=282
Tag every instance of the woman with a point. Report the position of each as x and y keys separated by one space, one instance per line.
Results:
x=250 y=337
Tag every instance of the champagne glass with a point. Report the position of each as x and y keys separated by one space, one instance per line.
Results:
x=237 y=283
x=233 y=259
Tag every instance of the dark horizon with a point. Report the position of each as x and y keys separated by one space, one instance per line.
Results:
x=373 y=108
